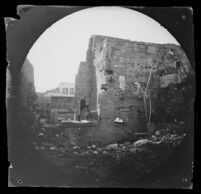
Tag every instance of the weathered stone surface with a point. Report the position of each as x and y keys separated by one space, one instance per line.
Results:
x=28 y=72
x=133 y=81
x=80 y=134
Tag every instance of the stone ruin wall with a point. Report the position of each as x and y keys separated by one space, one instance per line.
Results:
x=110 y=72
x=85 y=82
x=82 y=81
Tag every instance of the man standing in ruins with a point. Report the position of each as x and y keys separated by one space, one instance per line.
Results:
x=83 y=107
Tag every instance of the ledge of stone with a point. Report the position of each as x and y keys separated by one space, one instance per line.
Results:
x=80 y=124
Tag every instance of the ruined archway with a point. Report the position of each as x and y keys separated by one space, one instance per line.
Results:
x=19 y=60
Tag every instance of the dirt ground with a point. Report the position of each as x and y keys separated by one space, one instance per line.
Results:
x=108 y=165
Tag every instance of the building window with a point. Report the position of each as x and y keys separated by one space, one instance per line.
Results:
x=71 y=91
x=65 y=90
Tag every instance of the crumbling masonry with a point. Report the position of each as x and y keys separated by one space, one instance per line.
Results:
x=135 y=81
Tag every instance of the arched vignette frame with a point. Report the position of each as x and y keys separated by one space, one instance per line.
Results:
x=21 y=35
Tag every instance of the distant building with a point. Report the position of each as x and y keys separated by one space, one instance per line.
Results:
x=61 y=101
x=64 y=89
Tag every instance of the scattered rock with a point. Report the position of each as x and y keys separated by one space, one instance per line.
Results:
x=181 y=122
x=95 y=152
x=88 y=151
x=112 y=146
x=118 y=120
x=52 y=148
x=93 y=146
x=105 y=152
x=141 y=142
x=76 y=147
x=41 y=134
x=157 y=133
x=133 y=149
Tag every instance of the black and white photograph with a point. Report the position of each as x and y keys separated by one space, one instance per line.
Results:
x=100 y=97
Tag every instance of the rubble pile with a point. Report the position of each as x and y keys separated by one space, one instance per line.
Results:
x=171 y=139
x=106 y=162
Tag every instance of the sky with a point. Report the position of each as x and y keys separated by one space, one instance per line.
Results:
x=57 y=53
